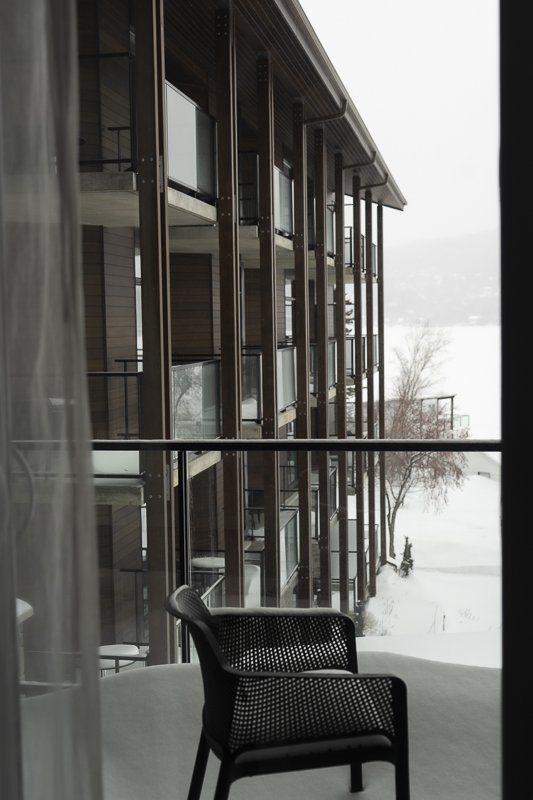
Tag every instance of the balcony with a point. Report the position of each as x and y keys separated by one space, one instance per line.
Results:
x=195 y=392
x=252 y=370
x=332 y=367
x=330 y=228
x=115 y=405
x=163 y=709
x=349 y=253
x=249 y=195
x=109 y=181
x=351 y=355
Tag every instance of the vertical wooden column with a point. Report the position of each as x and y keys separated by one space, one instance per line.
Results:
x=358 y=344
x=156 y=411
x=230 y=317
x=301 y=338
x=369 y=282
x=381 y=402
x=340 y=335
x=322 y=363
x=267 y=266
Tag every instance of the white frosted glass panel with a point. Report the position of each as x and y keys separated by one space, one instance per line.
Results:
x=181 y=136
x=286 y=378
x=277 y=200
x=205 y=134
x=187 y=401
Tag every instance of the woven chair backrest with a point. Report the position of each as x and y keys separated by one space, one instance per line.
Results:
x=191 y=606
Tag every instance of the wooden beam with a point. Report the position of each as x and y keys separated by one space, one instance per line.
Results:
x=301 y=338
x=340 y=335
x=230 y=317
x=381 y=400
x=155 y=294
x=358 y=381
x=322 y=341
x=267 y=267
x=370 y=417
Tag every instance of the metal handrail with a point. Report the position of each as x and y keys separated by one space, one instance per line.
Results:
x=283 y=445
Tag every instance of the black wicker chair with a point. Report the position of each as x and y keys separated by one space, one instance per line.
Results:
x=267 y=709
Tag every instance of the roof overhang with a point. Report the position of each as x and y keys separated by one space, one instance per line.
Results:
x=296 y=20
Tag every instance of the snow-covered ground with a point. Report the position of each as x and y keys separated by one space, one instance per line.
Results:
x=448 y=609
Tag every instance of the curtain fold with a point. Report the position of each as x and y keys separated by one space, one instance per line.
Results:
x=48 y=681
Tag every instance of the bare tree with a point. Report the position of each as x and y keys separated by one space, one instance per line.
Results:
x=411 y=414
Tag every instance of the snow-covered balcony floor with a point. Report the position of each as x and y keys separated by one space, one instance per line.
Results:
x=151 y=724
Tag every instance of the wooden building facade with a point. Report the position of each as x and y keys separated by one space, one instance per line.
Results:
x=232 y=204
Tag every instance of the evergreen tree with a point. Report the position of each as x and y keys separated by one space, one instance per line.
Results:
x=407 y=559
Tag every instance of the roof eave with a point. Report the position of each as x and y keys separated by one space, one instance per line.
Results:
x=295 y=17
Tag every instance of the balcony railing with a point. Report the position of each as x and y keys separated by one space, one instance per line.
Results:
x=330 y=231
x=249 y=195
x=313 y=366
x=111 y=147
x=252 y=366
x=202 y=552
x=286 y=358
x=191 y=137
x=350 y=354
x=252 y=400
x=191 y=133
x=115 y=403
x=196 y=400
x=348 y=249
x=348 y=252
x=311 y=227
x=248 y=188
x=283 y=203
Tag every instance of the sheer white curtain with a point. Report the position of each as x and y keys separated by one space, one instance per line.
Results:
x=49 y=724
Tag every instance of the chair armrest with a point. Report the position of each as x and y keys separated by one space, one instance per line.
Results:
x=271 y=710
x=286 y=640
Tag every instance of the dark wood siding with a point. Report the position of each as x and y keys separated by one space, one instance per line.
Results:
x=192 y=305
x=89 y=76
x=119 y=254
x=126 y=524
x=204 y=521
x=121 y=332
x=252 y=307
x=105 y=565
x=215 y=277
x=114 y=80
x=95 y=328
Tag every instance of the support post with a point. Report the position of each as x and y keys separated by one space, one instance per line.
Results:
x=301 y=330
x=230 y=318
x=267 y=266
x=358 y=381
x=381 y=401
x=153 y=234
x=340 y=335
x=322 y=363
x=370 y=416
x=184 y=548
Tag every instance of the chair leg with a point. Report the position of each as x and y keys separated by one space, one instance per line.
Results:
x=202 y=754
x=401 y=771
x=356 y=777
x=224 y=780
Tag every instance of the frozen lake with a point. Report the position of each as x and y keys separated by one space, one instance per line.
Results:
x=470 y=370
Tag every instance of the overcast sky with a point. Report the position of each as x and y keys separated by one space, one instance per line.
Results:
x=424 y=77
